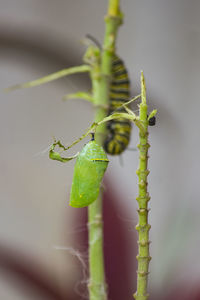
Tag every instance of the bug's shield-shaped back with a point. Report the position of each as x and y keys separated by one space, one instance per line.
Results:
x=89 y=170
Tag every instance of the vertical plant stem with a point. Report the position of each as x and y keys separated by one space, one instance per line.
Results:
x=112 y=21
x=100 y=83
x=96 y=285
x=143 y=227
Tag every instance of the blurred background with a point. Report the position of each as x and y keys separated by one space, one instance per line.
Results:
x=39 y=233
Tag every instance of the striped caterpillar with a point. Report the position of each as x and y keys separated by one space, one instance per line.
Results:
x=119 y=129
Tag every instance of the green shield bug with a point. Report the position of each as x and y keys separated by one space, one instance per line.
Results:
x=89 y=169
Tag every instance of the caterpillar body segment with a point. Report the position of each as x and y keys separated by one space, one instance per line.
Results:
x=119 y=129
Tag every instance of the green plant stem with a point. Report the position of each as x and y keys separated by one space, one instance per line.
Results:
x=143 y=227
x=51 y=77
x=100 y=82
x=112 y=20
x=113 y=7
x=96 y=285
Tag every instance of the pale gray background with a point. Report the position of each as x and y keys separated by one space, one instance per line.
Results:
x=161 y=37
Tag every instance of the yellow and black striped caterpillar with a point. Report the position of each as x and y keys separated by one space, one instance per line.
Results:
x=119 y=129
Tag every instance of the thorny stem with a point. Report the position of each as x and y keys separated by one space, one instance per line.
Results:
x=143 y=227
x=97 y=285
